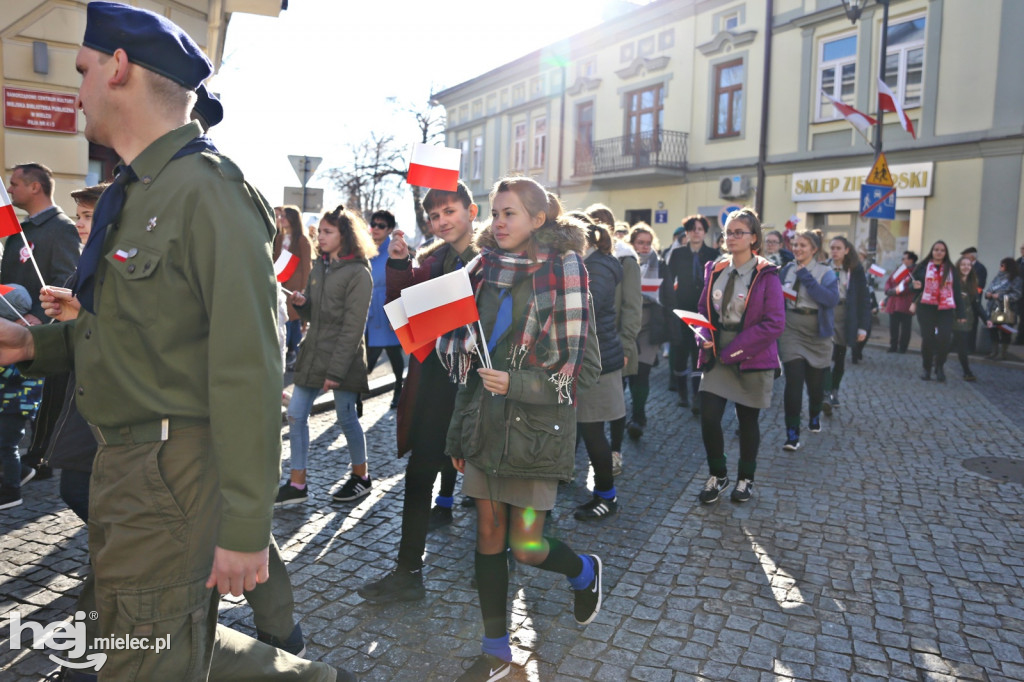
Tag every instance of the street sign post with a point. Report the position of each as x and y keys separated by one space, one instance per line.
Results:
x=879 y=174
x=304 y=167
x=877 y=201
x=312 y=197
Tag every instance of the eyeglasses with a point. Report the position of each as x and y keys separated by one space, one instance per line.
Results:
x=379 y=226
x=735 y=234
x=772 y=241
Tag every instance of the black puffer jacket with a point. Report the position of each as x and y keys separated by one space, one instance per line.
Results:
x=605 y=273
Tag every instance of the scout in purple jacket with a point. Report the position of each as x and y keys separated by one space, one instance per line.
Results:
x=742 y=298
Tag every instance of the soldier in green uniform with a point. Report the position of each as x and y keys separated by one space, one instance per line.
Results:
x=178 y=366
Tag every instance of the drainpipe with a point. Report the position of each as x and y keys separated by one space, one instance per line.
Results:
x=762 y=147
x=214 y=21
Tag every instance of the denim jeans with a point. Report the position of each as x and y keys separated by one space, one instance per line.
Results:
x=298 y=419
x=12 y=430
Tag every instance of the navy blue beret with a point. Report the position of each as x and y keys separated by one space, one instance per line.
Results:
x=208 y=107
x=149 y=40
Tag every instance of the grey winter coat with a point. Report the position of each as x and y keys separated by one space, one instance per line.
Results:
x=526 y=433
x=337 y=303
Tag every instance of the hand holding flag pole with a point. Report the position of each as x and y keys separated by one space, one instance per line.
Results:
x=694 y=321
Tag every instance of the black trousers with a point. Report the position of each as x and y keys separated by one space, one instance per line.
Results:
x=899 y=331
x=936 y=332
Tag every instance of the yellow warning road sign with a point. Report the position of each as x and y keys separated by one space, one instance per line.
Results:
x=880 y=174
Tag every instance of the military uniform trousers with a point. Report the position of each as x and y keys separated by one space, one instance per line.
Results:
x=153 y=518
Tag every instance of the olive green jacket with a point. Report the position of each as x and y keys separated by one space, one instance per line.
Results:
x=186 y=324
x=526 y=433
x=337 y=303
x=629 y=306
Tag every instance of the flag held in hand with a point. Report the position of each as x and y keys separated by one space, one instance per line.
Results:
x=693 y=320
x=439 y=305
x=285 y=265
x=8 y=221
x=650 y=285
x=434 y=167
x=900 y=274
x=789 y=293
x=400 y=323
x=876 y=270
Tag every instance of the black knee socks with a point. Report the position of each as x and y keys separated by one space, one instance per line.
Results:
x=492 y=588
x=561 y=559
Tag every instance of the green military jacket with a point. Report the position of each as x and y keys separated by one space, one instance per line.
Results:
x=185 y=324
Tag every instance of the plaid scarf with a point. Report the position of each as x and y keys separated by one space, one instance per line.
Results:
x=555 y=330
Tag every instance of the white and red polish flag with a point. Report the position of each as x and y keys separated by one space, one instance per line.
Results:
x=439 y=305
x=900 y=274
x=692 y=320
x=887 y=102
x=434 y=167
x=285 y=265
x=789 y=293
x=792 y=223
x=8 y=221
x=650 y=285
x=876 y=270
x=400 y=323
x=857 y=119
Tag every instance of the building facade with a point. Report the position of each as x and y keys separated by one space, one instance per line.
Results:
x=664 y=112
x=38 y=43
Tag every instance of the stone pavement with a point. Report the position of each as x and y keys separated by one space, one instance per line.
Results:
x=871 y=553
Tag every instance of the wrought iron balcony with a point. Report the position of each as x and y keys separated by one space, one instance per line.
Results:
x=652 y=150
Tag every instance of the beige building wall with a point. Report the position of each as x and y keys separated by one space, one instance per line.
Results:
x=59 y=25
x=969 y=120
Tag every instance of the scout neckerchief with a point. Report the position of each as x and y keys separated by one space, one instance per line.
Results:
x=108 y=210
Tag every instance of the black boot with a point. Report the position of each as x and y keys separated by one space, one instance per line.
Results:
x=940 y=374
x=927 y=375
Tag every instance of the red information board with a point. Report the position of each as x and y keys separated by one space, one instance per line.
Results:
x=38 y=110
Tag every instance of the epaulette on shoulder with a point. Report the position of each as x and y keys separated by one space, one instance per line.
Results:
x=224 y=166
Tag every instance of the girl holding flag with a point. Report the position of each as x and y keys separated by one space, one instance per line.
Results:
x=653 y=327
x=971 y=300
x=332 y=357
x=742 y=300
x=899 y=294
x=811 y=290
x=514 y=426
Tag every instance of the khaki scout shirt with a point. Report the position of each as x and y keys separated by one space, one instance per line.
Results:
x=185 y=324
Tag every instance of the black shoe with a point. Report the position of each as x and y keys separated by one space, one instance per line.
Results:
x=486 y=668
x=714 y=486
x=289 y=494
x=969 y=377
x=834 y=399
x=826 y=405
x=587 y=602
x=439 y=517
x=294 y=644
x=684 y=399
x=634 y=429
x=597 y=508
x=27 y=473
x=814 y=424
x=398 y=585
x=926 y=375
x=741 y=492
x=792 y=439
x=43 y=472
x=9 y=497
x=354 y=488
x=940 y=374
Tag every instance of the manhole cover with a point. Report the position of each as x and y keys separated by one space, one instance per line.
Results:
x=999 y=468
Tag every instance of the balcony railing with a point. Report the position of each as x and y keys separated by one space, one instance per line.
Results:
x=656 y=149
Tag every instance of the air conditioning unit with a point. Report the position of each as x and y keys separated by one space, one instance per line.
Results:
x=733 y=186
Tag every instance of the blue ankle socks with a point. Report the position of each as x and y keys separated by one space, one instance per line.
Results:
x=497 y=647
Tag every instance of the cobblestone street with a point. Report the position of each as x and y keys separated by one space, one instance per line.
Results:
x=871 y=553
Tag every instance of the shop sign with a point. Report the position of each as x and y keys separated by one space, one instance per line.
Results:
x=54 y=112
x=912 y=180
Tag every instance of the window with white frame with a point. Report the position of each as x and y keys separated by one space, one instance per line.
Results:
x=904 y=60
x=464 y=161
x=478 y=156
x=540 y=141
x=586 y=68
x=519 y=146
x=730 y=21
x=837 y=74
